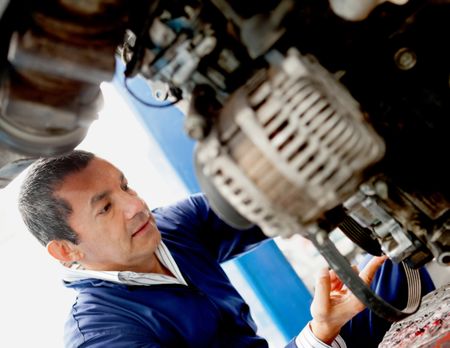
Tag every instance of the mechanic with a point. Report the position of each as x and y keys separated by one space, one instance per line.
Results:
x=153 y=279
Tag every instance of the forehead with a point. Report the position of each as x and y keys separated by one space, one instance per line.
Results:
x=97 y=176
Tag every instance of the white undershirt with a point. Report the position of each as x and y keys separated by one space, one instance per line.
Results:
x=76 y=272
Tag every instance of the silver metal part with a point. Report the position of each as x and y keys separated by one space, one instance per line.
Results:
x=11 y=164
x=261 y=31
x=195 y=126
x=289 y=148
x=36 y=52
x=50 y=91
x=3 y=5
x=405 y=58
x=161 y=34
x=184 y=59
x=357 y=10
x=403 y=223
x=394 y=241
x=34 y=125
x=439 y=243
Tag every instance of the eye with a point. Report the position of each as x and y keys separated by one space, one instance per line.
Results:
x=128 y=189
x=105 y=209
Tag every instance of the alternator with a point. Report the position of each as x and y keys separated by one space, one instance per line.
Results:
x=289 y=146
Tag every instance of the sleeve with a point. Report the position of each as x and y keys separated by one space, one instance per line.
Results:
x=193 y=218
x=306 y=339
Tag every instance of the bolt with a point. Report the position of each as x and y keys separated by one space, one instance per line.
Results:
x=405 y=58
x=214 y=152
x=367 y=190
x=381 y=189
x=444 y=259
x=195 y=126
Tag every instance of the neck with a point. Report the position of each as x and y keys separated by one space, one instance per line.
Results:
x=161 y=269
x=154 y=266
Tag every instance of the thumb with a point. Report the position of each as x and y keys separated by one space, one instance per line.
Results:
x=322 y=290
x=368 y=273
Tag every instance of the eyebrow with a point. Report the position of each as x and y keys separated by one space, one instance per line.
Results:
x=102 y=195
x=97 y=198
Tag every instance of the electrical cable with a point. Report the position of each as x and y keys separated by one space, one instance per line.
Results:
x=176 y=92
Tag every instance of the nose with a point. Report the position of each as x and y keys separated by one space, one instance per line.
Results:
x=131 y=205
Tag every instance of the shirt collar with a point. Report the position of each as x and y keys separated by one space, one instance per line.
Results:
x=76 y=272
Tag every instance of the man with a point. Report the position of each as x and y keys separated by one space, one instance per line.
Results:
x=153 y=279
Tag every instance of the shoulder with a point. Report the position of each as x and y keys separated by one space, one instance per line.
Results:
x=185 y=217
x=195 y=205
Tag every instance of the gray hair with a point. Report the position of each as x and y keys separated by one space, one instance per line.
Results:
x=46 y=215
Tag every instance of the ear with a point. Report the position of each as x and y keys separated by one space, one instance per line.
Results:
x=64 y=251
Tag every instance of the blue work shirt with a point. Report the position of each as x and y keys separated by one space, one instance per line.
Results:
x=209 y=312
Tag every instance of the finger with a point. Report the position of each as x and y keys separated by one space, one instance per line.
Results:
x=333 y=276
x=322 y=290
x=371 y=268
x=335 y=281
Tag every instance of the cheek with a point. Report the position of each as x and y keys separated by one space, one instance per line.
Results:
x=107 y=250
x=102 y=240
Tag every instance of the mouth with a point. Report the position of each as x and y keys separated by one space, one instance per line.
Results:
x=141 y=229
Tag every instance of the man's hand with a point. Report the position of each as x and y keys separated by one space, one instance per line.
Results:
x=333 y=304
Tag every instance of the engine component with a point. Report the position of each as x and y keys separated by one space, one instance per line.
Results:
x=356 y=10
x=289 y=146
x=360 y=236
x=50 y=85
x=295 y=146
x=428 y=327
x=394 y=242
x=404 y=231
x=283 y=145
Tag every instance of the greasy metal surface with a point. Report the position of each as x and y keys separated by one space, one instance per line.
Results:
x=428 y=327
x=11 y=164
x=49 y=92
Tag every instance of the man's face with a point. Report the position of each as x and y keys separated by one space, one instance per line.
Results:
x=115 y=228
